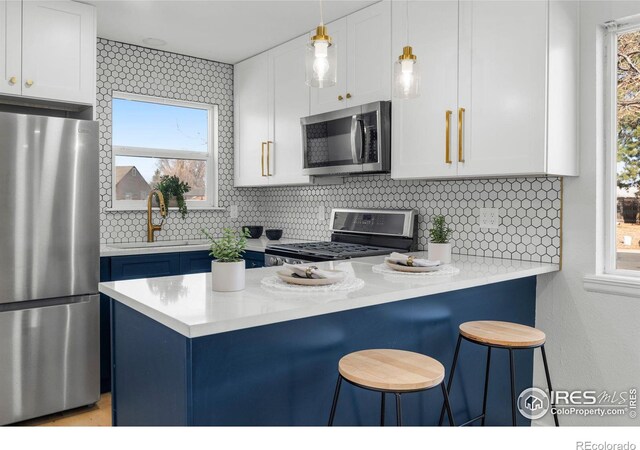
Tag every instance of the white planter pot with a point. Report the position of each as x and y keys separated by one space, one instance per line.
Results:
x=439 y=252
x=227 y=276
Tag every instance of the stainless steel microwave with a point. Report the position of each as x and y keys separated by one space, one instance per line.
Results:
x=349 y=141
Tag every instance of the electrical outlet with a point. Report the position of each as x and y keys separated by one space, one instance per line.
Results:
x=320 y=213
x=233 y=211
x=489 y=218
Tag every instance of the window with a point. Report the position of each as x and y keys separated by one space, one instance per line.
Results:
x=623 y=170
x=153 y=137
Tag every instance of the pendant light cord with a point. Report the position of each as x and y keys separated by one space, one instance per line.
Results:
x=407 y=29
x=321 y=14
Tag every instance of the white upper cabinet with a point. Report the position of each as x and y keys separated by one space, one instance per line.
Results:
x=58 y=51
x=363 y=42
x=516 y=91
x=419 y=136
x=251 y=120
x=10 y=47
x=270 y=98
x=289 y=101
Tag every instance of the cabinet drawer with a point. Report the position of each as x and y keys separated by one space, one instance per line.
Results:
x=144 y=266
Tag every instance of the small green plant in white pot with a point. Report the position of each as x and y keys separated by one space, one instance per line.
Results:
x=439 y=247
x=227 y=270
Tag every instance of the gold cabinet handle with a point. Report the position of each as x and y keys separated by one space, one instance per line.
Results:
x=13 y=80
x=29 y=83
x=262 y=160
x=447 y=145
x=348 y=95
x=340 y=98
x=460 y=134
x=269 y=174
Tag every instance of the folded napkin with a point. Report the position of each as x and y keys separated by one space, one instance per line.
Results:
x=309 y=271
x=407 y=260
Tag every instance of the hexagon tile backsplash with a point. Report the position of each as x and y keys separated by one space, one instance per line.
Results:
x=530 y=208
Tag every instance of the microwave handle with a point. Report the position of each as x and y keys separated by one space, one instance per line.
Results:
x=357 y=138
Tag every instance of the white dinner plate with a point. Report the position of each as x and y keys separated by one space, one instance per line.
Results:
x=288 y=278
x=413 y=269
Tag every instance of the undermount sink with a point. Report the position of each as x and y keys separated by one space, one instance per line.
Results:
x=125 y=245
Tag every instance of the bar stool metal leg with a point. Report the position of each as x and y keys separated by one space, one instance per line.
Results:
x=382 y=411
x=447 y=405
x=546 y=372
x=453 y=370
x=513 y=388
x=335 y=401
x=486 y=387
x=398 y=411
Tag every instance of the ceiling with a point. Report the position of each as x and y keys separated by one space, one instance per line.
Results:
x=226 y=31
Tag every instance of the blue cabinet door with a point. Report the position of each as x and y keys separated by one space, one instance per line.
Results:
x=195 y=262
x=105 y=330
x=253 y=259
x=145 y=266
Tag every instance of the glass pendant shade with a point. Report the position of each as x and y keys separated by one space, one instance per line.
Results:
x=321 y=67
x=406 y=76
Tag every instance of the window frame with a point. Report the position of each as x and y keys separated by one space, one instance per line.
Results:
x=612 y=30
x=211 y=156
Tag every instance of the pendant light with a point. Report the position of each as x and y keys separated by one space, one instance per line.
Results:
x=406 y=71
x=321 y=58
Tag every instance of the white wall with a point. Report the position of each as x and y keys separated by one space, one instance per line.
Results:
x=593 y=340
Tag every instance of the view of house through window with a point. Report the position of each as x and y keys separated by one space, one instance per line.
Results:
x=628 y=151
x=153 y=138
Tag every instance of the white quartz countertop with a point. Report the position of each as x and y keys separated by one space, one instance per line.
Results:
x=144 y=248
x=187 y=304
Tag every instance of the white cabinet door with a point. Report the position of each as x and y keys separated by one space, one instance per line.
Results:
x=369 y=60
x=10 y=46
x=288 y=102
x=251 y=120
x=334 y=97
x=502 y=87
x=419 y=125
x=59 y=51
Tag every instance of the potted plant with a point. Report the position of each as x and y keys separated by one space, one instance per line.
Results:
x=439 y=247
x=173 y=190
x=227 y=271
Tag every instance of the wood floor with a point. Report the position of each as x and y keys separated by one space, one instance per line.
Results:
x=98 y=415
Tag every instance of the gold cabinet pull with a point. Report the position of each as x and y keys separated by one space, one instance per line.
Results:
x=348 y=95
x=13 y=80
x=262 y=160
x=29 y=83
x=460 y=134
x=447 y=145
x=268 y=156
x=340 y=98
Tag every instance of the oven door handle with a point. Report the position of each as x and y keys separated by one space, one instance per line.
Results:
x=357 y=138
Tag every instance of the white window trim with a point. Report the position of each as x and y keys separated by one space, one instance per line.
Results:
x=211 y=156
x=608 y=279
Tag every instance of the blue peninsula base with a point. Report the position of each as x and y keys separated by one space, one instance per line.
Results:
x=285 y=373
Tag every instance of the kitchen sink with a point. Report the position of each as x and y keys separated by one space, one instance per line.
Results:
x=125 y=245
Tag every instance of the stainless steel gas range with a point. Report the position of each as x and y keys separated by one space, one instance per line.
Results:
x=355 y=233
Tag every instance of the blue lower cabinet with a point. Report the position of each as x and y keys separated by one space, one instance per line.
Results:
x=149 y=266
x=195 y=262
x=253 y=259
x=145 y=266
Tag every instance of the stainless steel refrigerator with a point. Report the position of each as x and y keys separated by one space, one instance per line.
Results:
x=49 y=265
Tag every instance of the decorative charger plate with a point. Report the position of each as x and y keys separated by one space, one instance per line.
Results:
x=442 y=270
x=412 y=269
x=287 y=277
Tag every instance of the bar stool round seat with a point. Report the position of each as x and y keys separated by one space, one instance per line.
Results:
x=394 y=372
x=502 y=334
x=391 y=370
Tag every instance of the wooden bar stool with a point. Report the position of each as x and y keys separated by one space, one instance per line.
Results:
x=506 y=335
x=390 y=372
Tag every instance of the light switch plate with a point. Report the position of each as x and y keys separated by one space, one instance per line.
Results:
x=489 y=218
x=233 y=211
